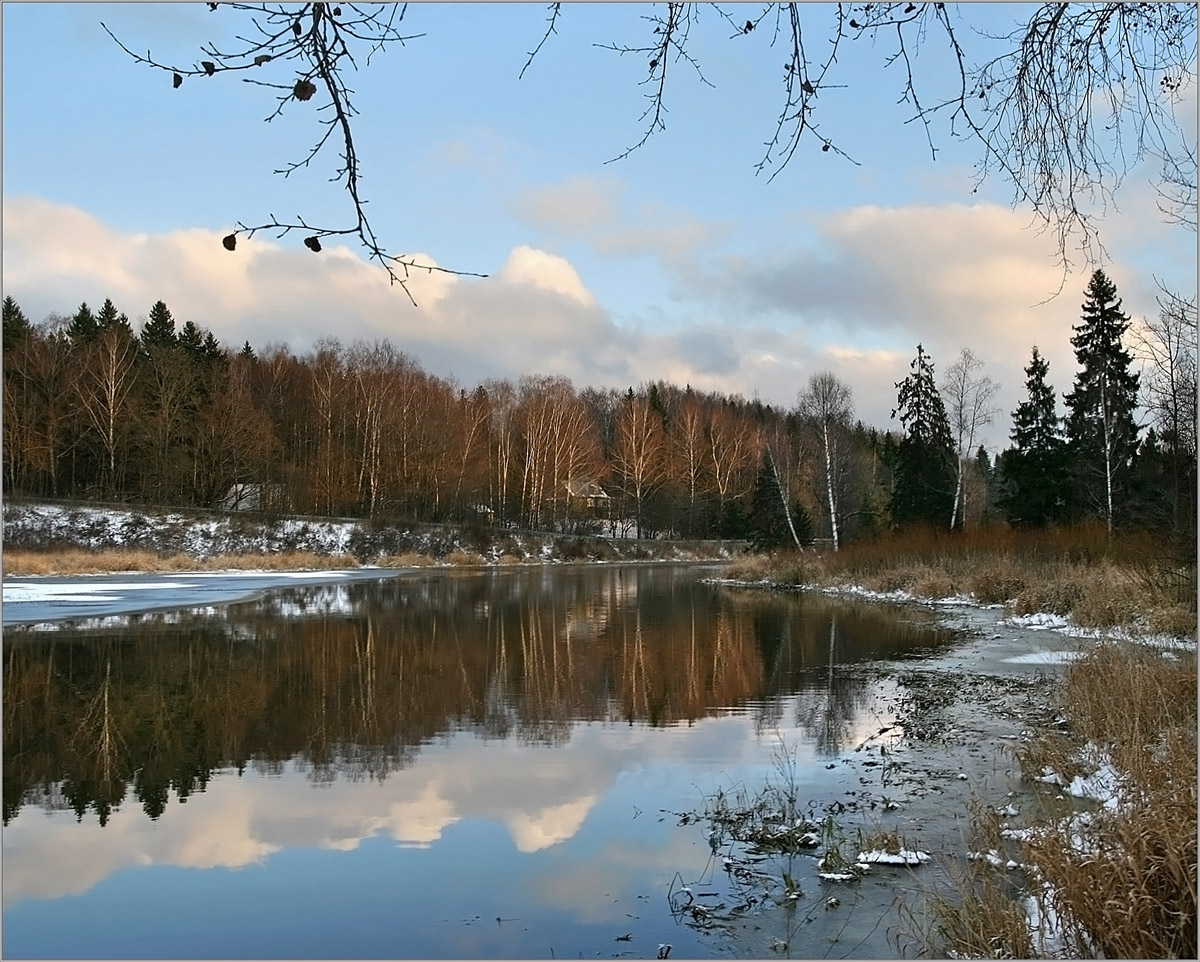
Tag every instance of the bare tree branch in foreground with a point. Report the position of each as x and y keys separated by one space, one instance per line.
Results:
x=318 y=42
x=1077 y=96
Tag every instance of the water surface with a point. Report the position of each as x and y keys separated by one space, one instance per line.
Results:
x=441 y=765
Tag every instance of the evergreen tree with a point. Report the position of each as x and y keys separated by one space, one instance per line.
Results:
x=769 y=527
x=923 y=486
x=191 y=339
x=1101 y=433
x=16 y=324
x=212 y=349
x=159 y=329
x=108 y=318
x=83 y=324
x=803 y=523
x=1036 y=479
x=247 y=352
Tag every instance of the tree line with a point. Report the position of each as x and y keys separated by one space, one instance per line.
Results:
x=166 y=415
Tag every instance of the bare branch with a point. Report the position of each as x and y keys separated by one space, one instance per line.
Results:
x=555 y=8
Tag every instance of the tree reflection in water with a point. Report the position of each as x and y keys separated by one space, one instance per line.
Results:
x=351 y=681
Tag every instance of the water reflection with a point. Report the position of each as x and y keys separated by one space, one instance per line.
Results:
x=430 y=712
x=350 y=681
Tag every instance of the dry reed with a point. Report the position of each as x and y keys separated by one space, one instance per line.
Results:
x=76 y=562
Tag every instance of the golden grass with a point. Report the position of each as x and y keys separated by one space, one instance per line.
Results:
x=410 y=559
x=1074 y=571
x=465 y=559
x=76 y=562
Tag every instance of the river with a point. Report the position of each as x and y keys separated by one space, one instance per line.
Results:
x=487 y=764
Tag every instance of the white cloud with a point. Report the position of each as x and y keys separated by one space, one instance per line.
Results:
x=548 y=272
x=855 y=294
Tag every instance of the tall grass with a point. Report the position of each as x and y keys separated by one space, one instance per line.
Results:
x=19 y=562
x=1075 y=571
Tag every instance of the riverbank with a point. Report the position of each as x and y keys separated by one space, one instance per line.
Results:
x=1105 y=865
x=45 y=539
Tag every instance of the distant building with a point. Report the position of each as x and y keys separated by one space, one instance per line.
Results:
x=588 y=499
x=252 y=497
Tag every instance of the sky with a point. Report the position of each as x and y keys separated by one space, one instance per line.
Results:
x=677 y=263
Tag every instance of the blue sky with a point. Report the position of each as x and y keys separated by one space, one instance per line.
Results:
x=677 y=262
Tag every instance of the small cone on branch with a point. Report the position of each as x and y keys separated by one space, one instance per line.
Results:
x=304 y=90
x=313 y=244
x=176 y=80
x=229 y=241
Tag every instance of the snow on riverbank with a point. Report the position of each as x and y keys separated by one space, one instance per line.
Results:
x=1037 y=621
x=202 y=537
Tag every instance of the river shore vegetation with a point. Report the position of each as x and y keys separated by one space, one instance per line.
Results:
x=1116 y=876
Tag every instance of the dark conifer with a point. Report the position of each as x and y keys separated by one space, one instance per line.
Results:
x=1101 y=433
x=159 y=329
x=923 y=488
x=16 y=324
x=108 y=318
x=769 y=527
x=83 y=324
x=1035 y=477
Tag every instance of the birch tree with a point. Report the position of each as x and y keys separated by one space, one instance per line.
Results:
x=968 y=398
x=1167 y=345
x=105 y=392
x=638 y=452
x=827 y=406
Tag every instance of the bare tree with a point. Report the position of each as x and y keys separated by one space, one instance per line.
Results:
x=1076 y=95
x=968 y=405
x=639 y=452
x=104 y=389
x=1168 y=346
x=828 y=407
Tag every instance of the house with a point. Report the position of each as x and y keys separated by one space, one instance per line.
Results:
x=587 y=498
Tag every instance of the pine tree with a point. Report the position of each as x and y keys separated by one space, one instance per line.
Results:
x=108 y=317
x=212 y=347
x=769 y=524
x=159 y=329
x=1036 y=479
x=83 y=324
x=16 y=324
x=1101 y=433
x=191 y=339
x=923 y=488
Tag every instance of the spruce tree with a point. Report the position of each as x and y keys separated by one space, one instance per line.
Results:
x=769 y=526
x=16 y=324
x=191 y=339
x=923 y=487
x=159 y=329
x=1101 y=433
x=108 y=317
x=1036 y=479
x=83 y=324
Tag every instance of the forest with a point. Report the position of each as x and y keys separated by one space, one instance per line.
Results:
x=168 y=416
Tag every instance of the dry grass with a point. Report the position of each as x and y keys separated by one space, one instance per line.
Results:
x=410 y=559
x=77 y=562
x=1130 y=890
x=1072 y=571
x=752 y=568
x=465 y=559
